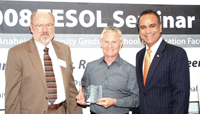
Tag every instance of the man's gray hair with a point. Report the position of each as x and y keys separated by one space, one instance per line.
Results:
x=112 y=29
x=34 y=13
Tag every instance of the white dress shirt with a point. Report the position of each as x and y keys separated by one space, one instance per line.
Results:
x=56 y=68
x=154 y=49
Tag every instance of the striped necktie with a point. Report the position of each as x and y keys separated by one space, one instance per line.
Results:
x=147 y=62
x=50 y=78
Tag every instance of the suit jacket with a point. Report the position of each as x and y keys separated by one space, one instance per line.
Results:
x=26 y=90
x=168 y=83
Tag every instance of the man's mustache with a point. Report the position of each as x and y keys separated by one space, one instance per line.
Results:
x=45 y=34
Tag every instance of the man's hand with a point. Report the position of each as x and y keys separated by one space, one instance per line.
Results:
x=106 y=102
x=80 y=98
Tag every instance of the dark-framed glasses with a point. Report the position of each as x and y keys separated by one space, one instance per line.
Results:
x=41 y=26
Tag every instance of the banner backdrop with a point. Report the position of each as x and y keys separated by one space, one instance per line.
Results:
x=79 y=25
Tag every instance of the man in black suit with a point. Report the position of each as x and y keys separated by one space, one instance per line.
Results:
x=165 y=89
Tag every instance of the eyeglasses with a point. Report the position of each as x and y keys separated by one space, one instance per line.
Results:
x=41 y=26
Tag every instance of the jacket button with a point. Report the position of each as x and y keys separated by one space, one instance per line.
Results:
x=144 y=94
x=47 y=98
x=44 y=112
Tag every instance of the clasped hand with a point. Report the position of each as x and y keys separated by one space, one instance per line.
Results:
x=106 y=102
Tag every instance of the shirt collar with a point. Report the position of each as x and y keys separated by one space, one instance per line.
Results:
x=40 y=46
x=155 y=46
x=118 y=60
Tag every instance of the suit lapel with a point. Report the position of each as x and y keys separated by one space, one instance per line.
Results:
x=140 y=67
x=158 y=56
x=60 y=55
x=58 y=51
x=35 y=58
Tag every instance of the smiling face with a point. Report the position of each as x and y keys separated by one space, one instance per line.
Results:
x=111 y=44
x=149 y=29
x=42 y=35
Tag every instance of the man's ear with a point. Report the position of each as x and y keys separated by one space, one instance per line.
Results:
x=101 y=42
x=30 y=26
x=121 y=43
x=160 y=28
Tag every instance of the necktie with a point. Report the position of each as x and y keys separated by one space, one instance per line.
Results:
x=147 y=62
x=50 y=78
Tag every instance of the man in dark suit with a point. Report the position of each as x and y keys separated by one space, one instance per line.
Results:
x=28 y=81
x=165 y=89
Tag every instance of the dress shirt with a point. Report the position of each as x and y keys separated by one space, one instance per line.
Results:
x=56 y=68
x=154 y=49
x=118 y=81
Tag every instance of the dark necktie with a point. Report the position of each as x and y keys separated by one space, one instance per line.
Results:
x=50 y=78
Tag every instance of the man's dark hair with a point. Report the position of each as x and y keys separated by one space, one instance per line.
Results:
x=148 y=12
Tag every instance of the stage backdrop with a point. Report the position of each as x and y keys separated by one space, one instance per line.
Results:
x=79 y=25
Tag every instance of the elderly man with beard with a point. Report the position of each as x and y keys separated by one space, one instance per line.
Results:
x=39 y=73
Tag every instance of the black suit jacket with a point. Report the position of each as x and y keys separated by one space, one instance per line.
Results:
x=168 y=83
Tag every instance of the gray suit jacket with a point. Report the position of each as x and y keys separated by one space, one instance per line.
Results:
x=26 y=90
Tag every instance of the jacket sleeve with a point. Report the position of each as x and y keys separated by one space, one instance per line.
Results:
x=180 y=80
x=13 y=76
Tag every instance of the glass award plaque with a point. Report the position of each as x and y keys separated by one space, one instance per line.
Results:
x=92 y=93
